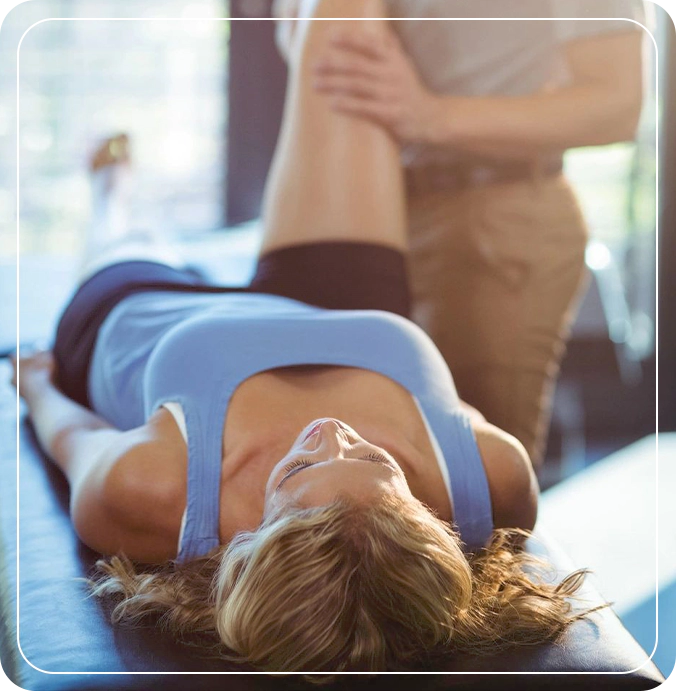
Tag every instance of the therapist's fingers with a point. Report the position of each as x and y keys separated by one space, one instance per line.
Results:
x=344 y=62
x=355 y=85
x=360 y=106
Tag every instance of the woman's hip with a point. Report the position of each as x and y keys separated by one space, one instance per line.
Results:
x=340 y=275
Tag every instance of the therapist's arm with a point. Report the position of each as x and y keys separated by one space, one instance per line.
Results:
x=600 y=105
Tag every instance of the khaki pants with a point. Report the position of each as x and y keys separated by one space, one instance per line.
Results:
x=496 y=271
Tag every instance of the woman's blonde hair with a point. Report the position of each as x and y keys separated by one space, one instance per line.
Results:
x=349 y=587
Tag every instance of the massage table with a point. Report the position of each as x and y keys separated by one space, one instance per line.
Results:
x=65 y=640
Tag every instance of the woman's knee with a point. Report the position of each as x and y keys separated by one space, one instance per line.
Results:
x=313 y=37
x=362 y=9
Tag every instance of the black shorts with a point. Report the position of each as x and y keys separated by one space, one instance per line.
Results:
x=333 y=275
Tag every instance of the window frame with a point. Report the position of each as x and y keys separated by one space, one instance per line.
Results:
x=256 y=92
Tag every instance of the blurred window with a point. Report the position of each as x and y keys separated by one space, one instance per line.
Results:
x=162 y=81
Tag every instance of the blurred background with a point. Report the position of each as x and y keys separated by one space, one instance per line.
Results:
x=181 y=78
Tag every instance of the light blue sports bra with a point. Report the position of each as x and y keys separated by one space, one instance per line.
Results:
x=195 y=350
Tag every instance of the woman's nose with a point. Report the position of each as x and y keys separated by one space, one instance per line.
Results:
x=332 y=437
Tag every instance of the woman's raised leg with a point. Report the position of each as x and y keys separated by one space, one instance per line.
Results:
x=109 y=237
x=334 y=177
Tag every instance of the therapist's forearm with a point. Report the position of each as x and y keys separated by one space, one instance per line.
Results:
x=528 y=126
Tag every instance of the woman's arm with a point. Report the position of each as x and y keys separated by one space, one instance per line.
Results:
x=118 y=500
x=511 y=478
x=512 y=482
x=601 y=104
x=61 y=425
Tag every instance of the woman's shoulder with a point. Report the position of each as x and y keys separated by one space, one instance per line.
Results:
x=141 y=496
x=511 y=479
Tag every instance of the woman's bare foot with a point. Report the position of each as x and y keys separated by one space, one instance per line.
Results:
x=110 y=238
x=110 y=172
x=109 y=168
x=112 y=151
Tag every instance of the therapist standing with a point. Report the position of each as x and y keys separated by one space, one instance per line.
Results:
x=484 y=110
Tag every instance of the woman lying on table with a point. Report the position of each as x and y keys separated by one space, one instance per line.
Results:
x=294 y=454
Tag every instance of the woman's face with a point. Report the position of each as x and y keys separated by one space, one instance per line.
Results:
x=329 y=459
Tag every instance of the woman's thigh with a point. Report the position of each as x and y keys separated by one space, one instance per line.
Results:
x=93 y=301
x=337 y=275
x=341 y=275
x=334 y=177
x=495 y=275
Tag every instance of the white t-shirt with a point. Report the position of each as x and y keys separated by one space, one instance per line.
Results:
x=476 y=55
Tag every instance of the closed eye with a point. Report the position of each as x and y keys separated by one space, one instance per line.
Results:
x=299 y=464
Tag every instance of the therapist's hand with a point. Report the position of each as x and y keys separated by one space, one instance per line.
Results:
x=375 y=79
